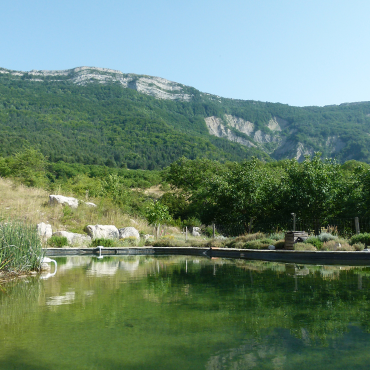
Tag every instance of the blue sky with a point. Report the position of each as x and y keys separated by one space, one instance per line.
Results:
x=296 y=52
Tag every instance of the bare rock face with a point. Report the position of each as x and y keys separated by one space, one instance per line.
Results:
x=44 y=230
x=74 y=240
x=216 y=128
x=127 y=232
x=60 y=199
x=158 y=87
x=102 y=231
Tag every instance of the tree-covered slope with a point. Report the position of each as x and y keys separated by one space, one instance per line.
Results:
x=100 y=116
x=106 y=124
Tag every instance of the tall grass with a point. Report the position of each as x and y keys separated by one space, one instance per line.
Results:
x=20 y=247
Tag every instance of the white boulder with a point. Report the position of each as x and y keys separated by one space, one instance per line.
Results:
x=196 y=231
x=127 y=232
x=102 y=231
x=44 y=230
x=74 y=239
x=60 y=199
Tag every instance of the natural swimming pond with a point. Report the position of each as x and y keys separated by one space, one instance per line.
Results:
x=146 y=312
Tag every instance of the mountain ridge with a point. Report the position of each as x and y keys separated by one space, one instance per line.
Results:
x=267 y=130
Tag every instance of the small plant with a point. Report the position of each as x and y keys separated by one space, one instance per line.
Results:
x=131 y=241
x=314 y=241
x=106 y=243
x=280 y=244
x=304 y=247
x=57 y=241
x=334 y=245
x=325 y=237
x=277 y=236
x=359 y=246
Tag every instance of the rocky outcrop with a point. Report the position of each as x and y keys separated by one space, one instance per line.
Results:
x=240 y=124
x=129 y=232
x=102 y=231
x=74 y=239
x=216 y=128
x=44 y=230
x=157 y=87
x=60 y=199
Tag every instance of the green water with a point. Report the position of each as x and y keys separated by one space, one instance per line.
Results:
x=186 y=313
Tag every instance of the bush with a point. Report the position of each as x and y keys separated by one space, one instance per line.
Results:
x=359 y=246
x=325 y=237
x=277 y=236
x=280 y=244
x=131 y=241
x=360 y=238
x=334 y=245
x=208 y=231
x=57 y=241
x=314 y=241
x=106 y=243
x=304 y=247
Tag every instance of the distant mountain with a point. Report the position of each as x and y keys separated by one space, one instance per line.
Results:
x=102 y=116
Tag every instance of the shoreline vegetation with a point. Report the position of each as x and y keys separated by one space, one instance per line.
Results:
x=189 y=193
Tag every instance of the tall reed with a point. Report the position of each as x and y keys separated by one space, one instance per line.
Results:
x=20 y=247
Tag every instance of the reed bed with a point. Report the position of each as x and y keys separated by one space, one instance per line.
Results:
x=20 y=247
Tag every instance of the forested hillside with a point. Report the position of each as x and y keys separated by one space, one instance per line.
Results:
x=104 y=117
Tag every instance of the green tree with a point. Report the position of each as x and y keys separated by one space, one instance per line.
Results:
x=157 y=213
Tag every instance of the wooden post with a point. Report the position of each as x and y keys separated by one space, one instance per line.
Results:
x=293 y=214
x=357 y=225
x=214 y=230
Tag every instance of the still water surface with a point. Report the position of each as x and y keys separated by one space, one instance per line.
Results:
x=178 y=313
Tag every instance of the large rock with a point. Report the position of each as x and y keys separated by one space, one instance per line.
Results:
x=60 y=199
x=44 y=230
x=74 y=240
x=102 y=231
x=196 y=231
x=127 y=232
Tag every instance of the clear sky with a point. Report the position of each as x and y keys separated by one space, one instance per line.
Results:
x=296 y=52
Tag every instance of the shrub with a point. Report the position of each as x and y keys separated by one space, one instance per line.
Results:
x=359 y=246
x=280 y=244
x=106 y=243
x=325 y=237
x=314 y=241
x=277 y=236
x=304 y=247
x=334 y=245
x=130 y=241
x=360 y=238
x=215 y=243
x=208 y=231
x=57 y=241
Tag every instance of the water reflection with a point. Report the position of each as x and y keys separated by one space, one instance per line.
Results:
x=183 y=312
